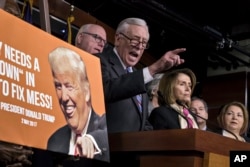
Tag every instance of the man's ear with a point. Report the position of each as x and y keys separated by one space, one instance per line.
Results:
x=154 y=91
x=78 y=39
x=87 y=95
x=117 y=39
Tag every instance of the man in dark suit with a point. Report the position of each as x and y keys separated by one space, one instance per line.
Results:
x=200 y=108
x=85 y=133
x=121 y=88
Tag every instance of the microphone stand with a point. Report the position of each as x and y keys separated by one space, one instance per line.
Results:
x=215 y=125
x=160 y=95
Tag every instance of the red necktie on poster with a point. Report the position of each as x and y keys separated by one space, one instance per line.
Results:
x=189 y=120
x=139 y=96
x=77 y=148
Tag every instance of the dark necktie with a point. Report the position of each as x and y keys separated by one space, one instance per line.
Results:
x=139 y=96
x=189 y=120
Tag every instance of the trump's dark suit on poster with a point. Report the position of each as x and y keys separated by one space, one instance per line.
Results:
x=120 y=90
x=60 y=140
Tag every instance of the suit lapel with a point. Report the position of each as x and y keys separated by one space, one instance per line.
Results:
x=66 y=140
x=119 y=70
x=116 y=64
x=93 y=123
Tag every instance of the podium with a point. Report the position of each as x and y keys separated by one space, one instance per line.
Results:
x=178 y=148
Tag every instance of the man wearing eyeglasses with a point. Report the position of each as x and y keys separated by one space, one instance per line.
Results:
x=124 y=111
x=91 y=38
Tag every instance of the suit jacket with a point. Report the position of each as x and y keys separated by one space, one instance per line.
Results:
x=165 y=117
x=59 y=141
x=120 y=90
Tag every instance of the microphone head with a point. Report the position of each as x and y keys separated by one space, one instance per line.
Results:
x=179 y=102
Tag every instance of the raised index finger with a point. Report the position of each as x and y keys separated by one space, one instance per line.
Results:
x=179 y=50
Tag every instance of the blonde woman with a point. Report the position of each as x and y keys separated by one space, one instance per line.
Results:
x=233 y=118
x=174 y=97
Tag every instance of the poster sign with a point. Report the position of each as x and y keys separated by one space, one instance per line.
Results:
x=29 y=103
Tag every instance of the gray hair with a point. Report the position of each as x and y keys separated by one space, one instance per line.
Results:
x=154 y=84
x=83 y=28
x=123 y=25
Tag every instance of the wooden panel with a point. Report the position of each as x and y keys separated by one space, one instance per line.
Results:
x=218 y=90
x=163 y=161
x=182 y=147
x=215 y=160
x=2 y=4
x=195 y=140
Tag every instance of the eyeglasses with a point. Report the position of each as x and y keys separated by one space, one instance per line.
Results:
x=134 y=42
x=97 y=38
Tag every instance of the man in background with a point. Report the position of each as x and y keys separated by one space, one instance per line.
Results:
x=91 y=38
x=152 y=91
x=199 y=107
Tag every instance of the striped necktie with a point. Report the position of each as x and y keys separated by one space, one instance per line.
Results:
x=139 y=100
x=139 y=96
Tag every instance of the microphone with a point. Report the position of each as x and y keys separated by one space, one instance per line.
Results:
x=161 y=101
x=185 y=106
x=211 y=123
x=160 y=95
